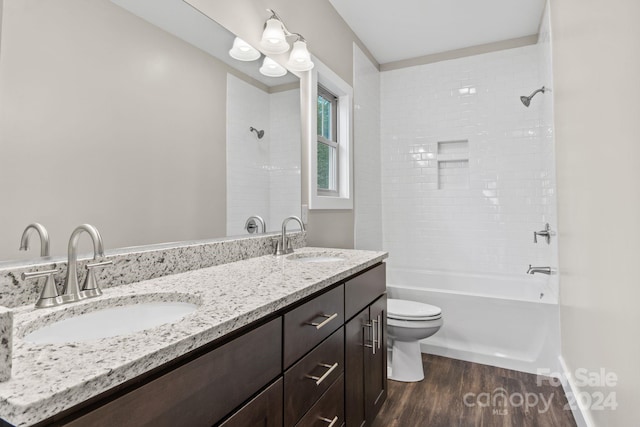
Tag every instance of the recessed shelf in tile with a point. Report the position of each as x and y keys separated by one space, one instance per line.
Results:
x=458 y=147
x=453 y=174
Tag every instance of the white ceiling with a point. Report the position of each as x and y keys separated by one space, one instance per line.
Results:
x=403 y=29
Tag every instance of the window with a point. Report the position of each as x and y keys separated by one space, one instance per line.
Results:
x=327 y=148
x=328 y=136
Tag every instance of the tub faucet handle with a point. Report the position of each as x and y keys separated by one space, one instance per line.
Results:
x=546 y=233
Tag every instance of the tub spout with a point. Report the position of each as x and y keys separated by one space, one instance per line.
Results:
x=543 y=270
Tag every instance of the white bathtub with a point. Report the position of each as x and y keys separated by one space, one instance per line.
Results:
x=509 y=322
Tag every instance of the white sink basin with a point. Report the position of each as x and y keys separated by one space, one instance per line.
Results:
x=315 y=258
x=111 y=322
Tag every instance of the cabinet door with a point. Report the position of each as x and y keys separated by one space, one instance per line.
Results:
x=265 y=410
x=357 y=335
x=375 y=361
x=201 y=392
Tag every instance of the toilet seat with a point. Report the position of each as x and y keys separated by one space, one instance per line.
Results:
x=411 y=310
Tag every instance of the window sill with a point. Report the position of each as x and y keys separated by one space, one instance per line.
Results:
x=331 y=202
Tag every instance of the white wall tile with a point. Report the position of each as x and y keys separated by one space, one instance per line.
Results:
x=485 y=223
x=263 y=175
x=367 y=163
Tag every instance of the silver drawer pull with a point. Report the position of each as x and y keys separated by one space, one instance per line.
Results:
x=379 y=330
x=328 y=319
x=374 y=330
x=319 y=380
x=373 y=341
x=331 y=422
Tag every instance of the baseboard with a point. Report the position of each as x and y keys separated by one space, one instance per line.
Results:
x=581 y=414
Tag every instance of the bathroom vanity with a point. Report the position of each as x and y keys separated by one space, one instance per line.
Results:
x=275 y=341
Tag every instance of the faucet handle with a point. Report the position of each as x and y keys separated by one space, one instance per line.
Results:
x=49 y=296
x=90 y=287
x=546 y=233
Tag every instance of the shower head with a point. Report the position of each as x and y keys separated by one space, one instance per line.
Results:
x=259 y=133
x=526 y=100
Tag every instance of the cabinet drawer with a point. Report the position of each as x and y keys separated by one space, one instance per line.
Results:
x=362 y=290
x=308 y=379
x=329 y=410
x=264 y=410
x=307 y=325
x=201 y=392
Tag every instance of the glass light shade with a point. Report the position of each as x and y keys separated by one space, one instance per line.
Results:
x=243 y=51
x=300 y=59
x=271 y=68
x=273 y=38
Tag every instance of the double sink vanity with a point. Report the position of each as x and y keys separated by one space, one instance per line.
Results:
x=295 y=340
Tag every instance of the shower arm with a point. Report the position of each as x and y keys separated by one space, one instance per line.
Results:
x=542 y=89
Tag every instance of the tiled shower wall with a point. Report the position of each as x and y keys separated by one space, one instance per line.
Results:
x=263 y=175
x=366 y=130
x=285 y=157
x=467 y=170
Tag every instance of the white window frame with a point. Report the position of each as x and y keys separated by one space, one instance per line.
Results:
x=323 y=75
x=334 y=179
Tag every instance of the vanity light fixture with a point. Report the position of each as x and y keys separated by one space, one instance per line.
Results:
x=274 y=41
x=243 y=51
x=271 y=68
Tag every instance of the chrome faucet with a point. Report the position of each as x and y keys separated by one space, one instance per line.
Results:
x=543 y=270
x=71 y=291
x=283 y=246
x=252 y=227
x=49 y=296
x=44 y=238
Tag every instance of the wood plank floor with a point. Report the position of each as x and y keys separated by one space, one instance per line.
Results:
x=459 y=393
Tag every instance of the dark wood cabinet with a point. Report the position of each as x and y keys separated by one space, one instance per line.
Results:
x=304 y=367
x=309 y=324
x=264 y=410
x=375 y=361
x=329 y=410
x=366 y=352
x=356 y=337
x=192 y=393
x=363 y=289
x=308 y=379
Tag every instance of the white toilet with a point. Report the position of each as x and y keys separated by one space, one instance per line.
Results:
x=407 y=323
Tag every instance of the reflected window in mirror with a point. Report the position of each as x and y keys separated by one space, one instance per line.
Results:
x=327 y=152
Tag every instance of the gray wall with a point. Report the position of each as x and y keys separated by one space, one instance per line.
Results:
x=86 y=79
x=596 y=71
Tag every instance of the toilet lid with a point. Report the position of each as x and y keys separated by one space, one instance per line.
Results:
x=411 y=310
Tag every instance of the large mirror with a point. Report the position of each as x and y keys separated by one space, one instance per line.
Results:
x=131 y=115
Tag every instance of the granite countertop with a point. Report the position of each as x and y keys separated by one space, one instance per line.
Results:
x=49 y=378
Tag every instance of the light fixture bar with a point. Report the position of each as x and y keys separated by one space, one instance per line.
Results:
x=274 y=41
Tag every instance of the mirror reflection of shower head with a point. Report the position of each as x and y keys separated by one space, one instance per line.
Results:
x=259 y=133
x=526 y=100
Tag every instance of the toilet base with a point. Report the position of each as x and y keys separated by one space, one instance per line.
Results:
x=406 y=362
